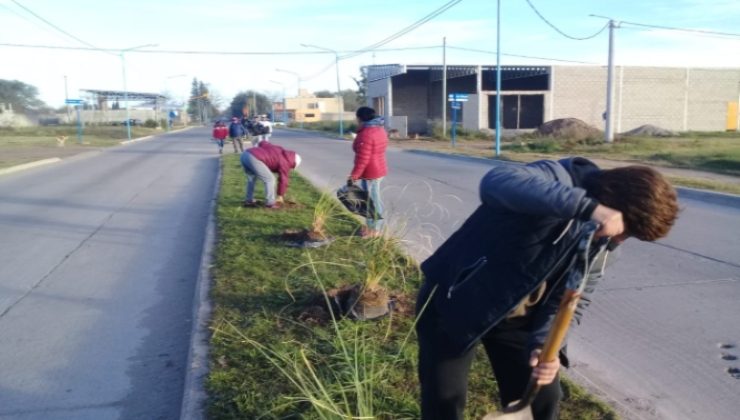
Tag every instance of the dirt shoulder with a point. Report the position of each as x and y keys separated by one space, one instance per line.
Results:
x=680 y=176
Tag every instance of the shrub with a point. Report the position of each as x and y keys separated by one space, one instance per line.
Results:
x=150 y=123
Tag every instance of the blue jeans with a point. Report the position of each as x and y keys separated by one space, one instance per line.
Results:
x=372 y=186
x=254 y=168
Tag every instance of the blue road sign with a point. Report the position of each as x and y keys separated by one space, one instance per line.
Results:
x=457 y=97
x=73 y=101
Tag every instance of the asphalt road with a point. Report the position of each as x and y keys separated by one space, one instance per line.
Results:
x=658 y=339
x=98 y=260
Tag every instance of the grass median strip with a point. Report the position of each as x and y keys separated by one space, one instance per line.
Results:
x=277 y=352
x=28 y=144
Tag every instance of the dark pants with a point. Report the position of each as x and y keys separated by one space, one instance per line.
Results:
x=443 y=373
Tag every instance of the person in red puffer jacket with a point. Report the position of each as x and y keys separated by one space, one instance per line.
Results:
x=220 y=132
x=370 y=166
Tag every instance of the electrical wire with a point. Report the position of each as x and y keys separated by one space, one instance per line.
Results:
x=405 y=30
x=195 y=52
x=522 y=56
x=53 y=26
x=544 y=19
x=689 y=30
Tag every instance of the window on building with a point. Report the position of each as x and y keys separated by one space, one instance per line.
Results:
x=313 y=105
x=310 y=115
x=379 y=105
x=518 y=111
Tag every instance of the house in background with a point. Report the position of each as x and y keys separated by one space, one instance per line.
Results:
x=411 y=99
x=306 y=107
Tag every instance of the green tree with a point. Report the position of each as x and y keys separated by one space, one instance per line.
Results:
x=200 y=106
x=21 y=96
x=324 y=94
x=244 y=103
x=361 y=83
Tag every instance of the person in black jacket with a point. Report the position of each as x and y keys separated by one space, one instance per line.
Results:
x=499 y=279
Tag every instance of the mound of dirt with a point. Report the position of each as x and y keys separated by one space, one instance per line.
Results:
x=569 y=129
x=649 y=130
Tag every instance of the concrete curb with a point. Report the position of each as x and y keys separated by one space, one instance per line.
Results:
x=194 y=394
x=707 y=196
x=151 y=136
x=29 y=165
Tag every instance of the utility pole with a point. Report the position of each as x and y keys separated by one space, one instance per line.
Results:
x=125 y=86
x=340 y=99
x=609 y=123
x=498 y=78
x=444 y=87
x=66 y=96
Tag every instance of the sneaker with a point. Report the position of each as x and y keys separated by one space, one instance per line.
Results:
x=366 y=232
x=275 y=206
x=249 y=203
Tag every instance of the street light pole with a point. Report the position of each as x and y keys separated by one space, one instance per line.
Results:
x=340 y=101
x=285 y=107
x=125 y=86
x=298 y=79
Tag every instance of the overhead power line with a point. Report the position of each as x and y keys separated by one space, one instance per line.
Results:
x=195 y=52
x=53 y=26
x=522 y=56
x=544 y=19
x=405 y=30
x=688 y=30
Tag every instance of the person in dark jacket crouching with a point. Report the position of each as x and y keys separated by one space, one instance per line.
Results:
x=499 y=279
x=260 y=163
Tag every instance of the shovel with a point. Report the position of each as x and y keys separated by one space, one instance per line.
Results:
x=520 y=410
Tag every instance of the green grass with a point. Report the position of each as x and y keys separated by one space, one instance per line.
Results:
x=268 y=362
x=326 y=126
x=21 y=145
x=713 y=152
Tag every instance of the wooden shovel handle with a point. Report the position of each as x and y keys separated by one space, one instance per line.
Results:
x=555 y=337
x=560 y=326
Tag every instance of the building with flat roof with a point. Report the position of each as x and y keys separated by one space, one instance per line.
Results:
x=411 y=99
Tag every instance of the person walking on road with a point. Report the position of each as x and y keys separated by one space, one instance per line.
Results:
x=265 y=128
x=220 y=132
x=370 y=165
x=499 y=279
x=236 y=132
x=259 y=163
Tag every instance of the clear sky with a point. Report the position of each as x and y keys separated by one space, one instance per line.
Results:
x=282 y=25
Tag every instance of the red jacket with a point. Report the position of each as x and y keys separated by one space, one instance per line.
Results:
x=220 y=132
x=369 y=147
x=277 y=160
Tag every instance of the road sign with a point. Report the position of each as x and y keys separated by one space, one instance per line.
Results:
x=457 y=97
x=456 y=105
x=73 y=101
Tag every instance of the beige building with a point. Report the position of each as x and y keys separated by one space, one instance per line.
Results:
x=410 y=97
x=306 y=107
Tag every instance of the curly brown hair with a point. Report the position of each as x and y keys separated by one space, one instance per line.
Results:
x=649 y=204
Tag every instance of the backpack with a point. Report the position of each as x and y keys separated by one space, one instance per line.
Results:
x=357 y=201
x=261 y=129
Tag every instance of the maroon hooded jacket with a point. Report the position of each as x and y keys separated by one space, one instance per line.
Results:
x=277 y=160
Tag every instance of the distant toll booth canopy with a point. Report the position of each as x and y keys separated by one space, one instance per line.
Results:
x=105 y=106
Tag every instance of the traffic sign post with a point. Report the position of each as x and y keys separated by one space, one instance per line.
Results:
x=456 y=100
x=78 y=104
x=79 y=124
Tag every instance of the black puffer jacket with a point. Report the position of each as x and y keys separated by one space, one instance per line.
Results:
x=524 y=232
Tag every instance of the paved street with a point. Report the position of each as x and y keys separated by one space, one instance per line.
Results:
x=651 y=340
x=98 y=261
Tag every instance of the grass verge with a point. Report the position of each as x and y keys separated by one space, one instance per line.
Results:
x=22 y=145
x=272 y=358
